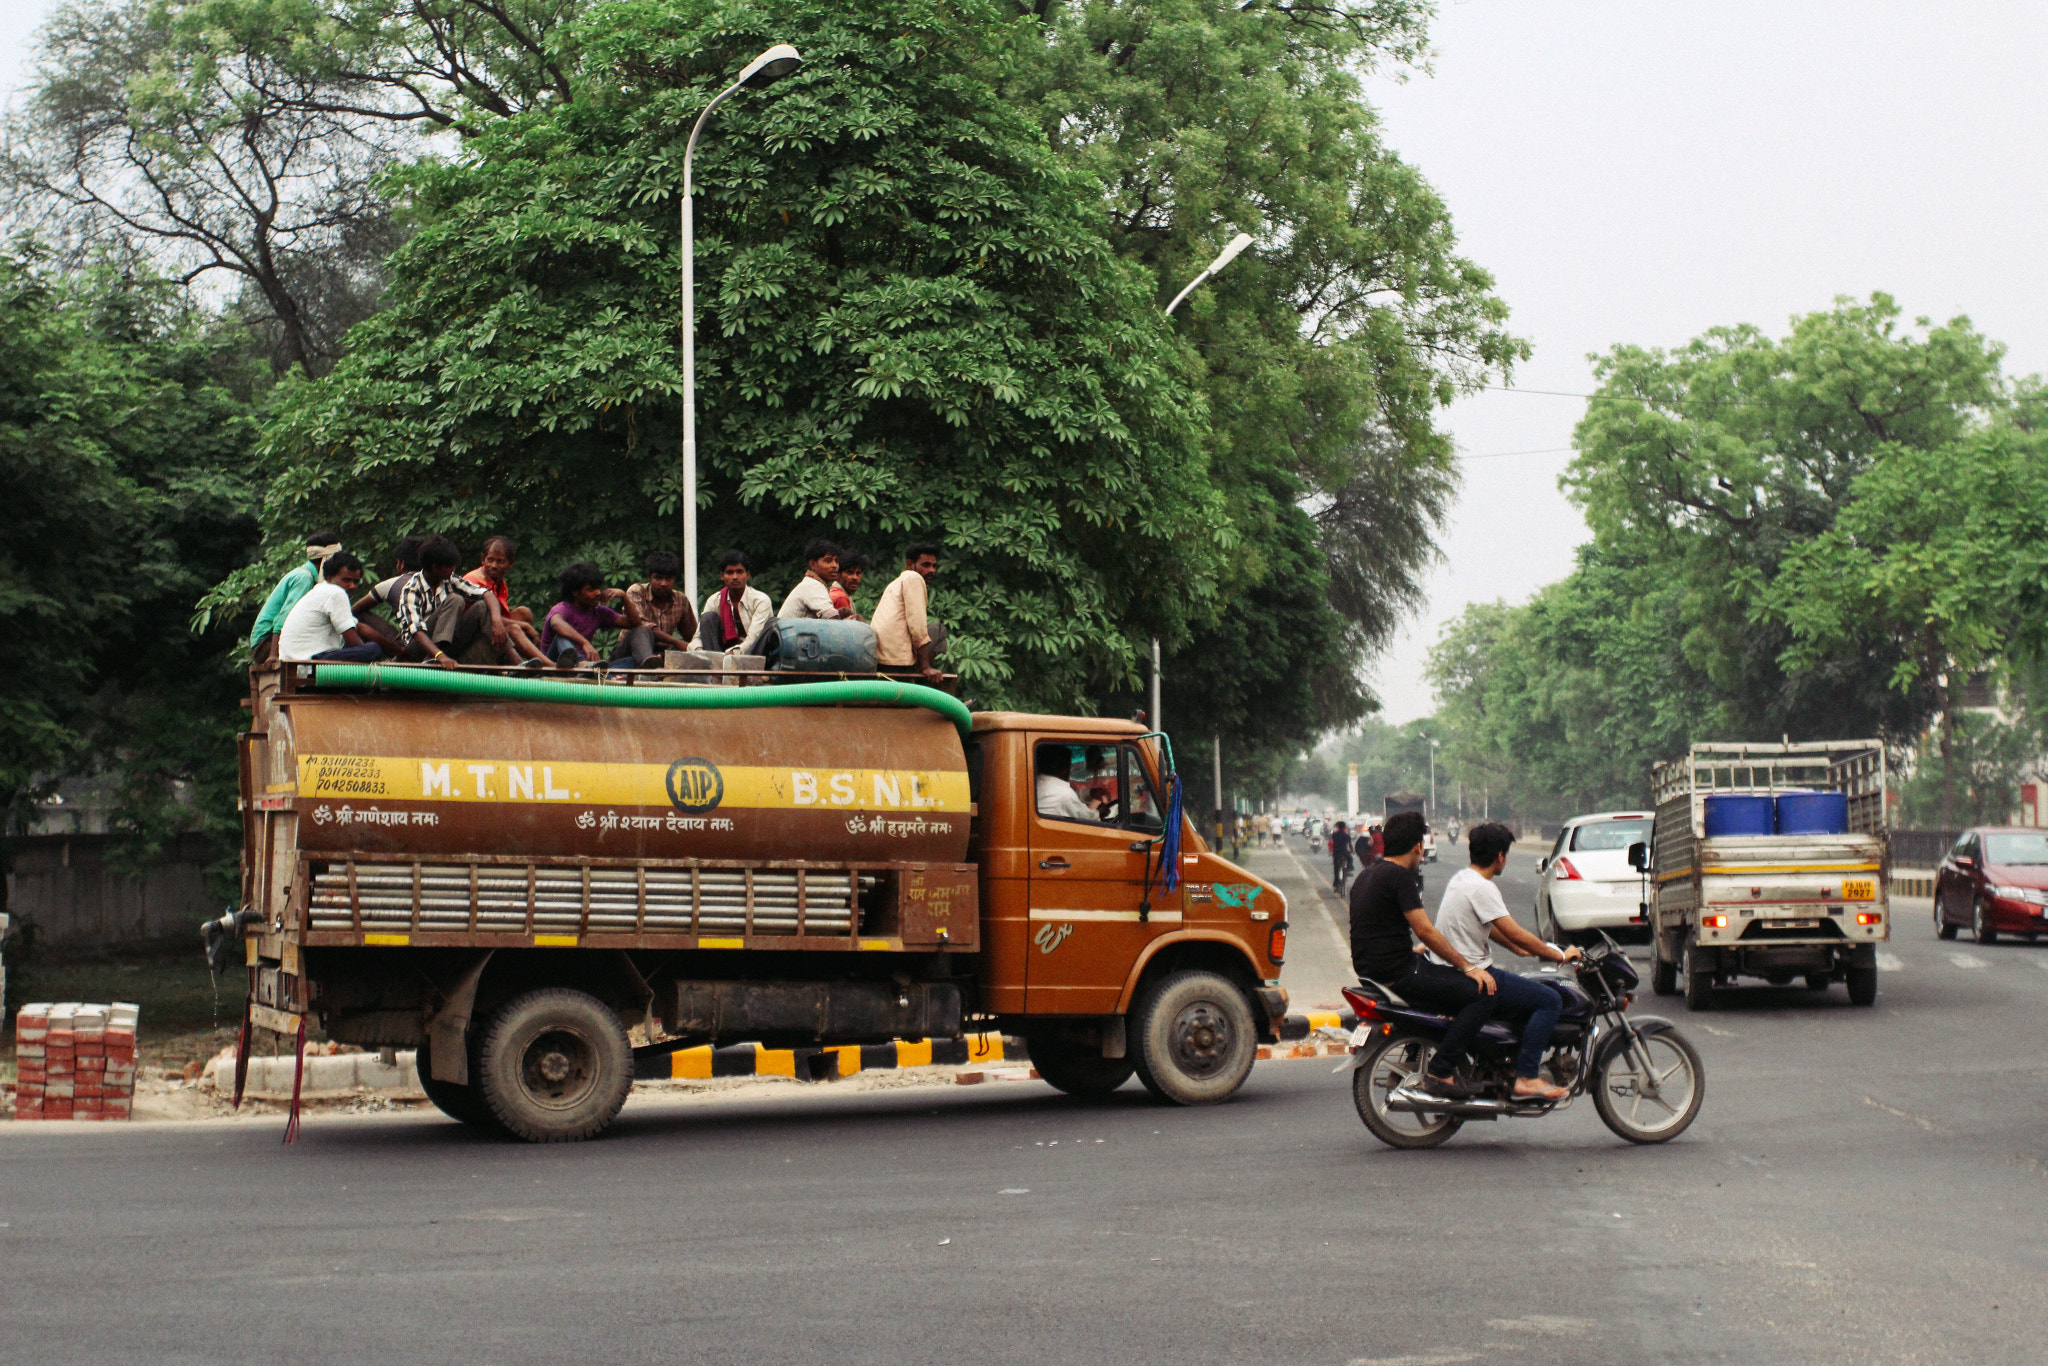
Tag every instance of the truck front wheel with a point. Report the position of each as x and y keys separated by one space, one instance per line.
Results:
x=1194 y=1038
x=1078 y=1069
x=555 y=1066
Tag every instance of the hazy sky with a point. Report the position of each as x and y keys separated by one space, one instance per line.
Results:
x=1641 y=170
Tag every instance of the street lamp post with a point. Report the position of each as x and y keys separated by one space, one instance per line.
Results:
x=766 y=69
x=1432 y=779
x=1223 y=258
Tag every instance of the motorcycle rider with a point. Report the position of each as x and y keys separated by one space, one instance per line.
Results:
x=1340 y=857
x=1472 y=914
x=1386 y=908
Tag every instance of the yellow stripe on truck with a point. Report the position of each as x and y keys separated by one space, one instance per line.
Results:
x=365 y=778
x=1744 y=869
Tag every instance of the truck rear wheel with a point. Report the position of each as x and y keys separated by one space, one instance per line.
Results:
x=1663 y=973
x=1078 y=1069
x=1699 y=979
x=1862 y=985
x=1194 y=1038
x=555 y=1066
x=453 y=1099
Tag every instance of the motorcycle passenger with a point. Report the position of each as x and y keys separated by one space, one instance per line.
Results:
x=1386 y=908
x=1472 y=914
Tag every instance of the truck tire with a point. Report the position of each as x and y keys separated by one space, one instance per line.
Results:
x=1663 y=972
x=1193 y=1037
x=1862 y=985
x=554 y=1066
x=1080 y=1070
x=453 y=1099
x=1699 y=980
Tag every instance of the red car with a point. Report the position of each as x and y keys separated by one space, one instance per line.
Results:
x=1995 y=881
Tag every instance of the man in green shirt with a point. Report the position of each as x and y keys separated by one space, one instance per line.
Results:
x=284 y=597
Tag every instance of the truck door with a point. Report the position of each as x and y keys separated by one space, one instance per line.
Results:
x=1095 y=820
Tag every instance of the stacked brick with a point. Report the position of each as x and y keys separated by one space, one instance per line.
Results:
x=74 y=1061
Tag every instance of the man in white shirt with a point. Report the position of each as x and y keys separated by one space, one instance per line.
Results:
x=1056 y=796
x=903 y=634
x=320 y=625
x=736 y=616
x=812 y=596
x=1472 y=917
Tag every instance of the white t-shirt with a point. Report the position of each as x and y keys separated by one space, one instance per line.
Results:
x=809 y=598
x=1057 y=798
x=315 y=623
x=1465 y=916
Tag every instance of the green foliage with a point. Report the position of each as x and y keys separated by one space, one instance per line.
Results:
x=908 y=325
x=1806 y=536
x=1324 y=351
x=1390 y=759
x=123 y=462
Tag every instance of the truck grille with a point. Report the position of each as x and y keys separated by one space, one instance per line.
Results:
x=456 y=897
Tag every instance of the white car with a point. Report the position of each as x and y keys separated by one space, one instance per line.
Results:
x=1586 y=882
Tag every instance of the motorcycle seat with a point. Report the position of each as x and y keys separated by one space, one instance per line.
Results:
x=1393 y=997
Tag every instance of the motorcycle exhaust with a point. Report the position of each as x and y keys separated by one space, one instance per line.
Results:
x=1418 y=1102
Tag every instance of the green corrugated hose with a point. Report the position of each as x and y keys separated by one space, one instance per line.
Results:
x=419 y=678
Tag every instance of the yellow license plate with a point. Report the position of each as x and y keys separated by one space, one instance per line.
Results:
x=1859 y=889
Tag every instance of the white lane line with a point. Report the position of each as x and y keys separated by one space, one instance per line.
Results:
x=1890 y=962
x=1964 y=960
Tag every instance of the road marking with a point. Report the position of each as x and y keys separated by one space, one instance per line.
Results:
x=1929 y=1125
x=1329 y=917
x=1718 y=1033
x=1964 y=960
x=1891 y=962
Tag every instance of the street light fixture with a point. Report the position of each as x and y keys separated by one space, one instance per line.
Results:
x=766 y=69
x=1223 y=258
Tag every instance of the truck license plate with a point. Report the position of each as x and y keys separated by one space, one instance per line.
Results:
x=1794 y=924
x=1859 y=889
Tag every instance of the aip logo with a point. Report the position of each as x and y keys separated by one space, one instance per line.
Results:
x=695 y=785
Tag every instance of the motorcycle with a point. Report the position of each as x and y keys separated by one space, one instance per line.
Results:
x=1646 y=1078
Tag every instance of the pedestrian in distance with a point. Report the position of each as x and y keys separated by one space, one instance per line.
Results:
x=1340 y=856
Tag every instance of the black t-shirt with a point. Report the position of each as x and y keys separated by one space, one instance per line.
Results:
x=1380 y=902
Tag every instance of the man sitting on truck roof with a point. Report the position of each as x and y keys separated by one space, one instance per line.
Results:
x=853 y=567
x=667 y=621
x=736 y=616
x=522 y=644
x=320 y=625
x=1471 y=914
x=441 y=615
x=1057 y=799
x=904 y=639
x=812 y=596
x=296 y=583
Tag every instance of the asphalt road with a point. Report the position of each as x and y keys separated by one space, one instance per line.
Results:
x=1862 y=1186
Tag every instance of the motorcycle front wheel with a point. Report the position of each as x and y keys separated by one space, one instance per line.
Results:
x=1650 y=1092
x=1390 y=1062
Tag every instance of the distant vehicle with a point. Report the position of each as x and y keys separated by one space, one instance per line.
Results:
x=1586 y=883
x=1995 y=881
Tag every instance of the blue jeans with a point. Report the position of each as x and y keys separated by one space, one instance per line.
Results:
x=369 y=652
x=1536 y=1006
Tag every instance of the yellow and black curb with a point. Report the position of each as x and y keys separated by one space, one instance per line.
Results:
x=661 y=1062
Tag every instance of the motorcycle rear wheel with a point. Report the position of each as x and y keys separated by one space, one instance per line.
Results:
x=1624 y=1105
x=1392 y=1061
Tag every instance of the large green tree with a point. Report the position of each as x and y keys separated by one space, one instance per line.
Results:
x=124 y=446
x=909 y=325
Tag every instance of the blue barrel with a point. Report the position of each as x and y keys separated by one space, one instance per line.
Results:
x=1729 y=814
x=817 y=646
x=1813 y=813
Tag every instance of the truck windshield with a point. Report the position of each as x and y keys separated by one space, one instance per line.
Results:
x=2029 y=848
x=1610 y=834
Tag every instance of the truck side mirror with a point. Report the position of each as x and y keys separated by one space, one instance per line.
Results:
x=1639 y=856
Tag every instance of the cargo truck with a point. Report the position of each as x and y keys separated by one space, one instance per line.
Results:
x=1771 y=861
x=532 y=881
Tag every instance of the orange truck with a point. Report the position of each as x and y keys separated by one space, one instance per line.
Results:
x=537 y=883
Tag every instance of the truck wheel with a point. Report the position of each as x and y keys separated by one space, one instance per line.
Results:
x=453 y=1099
x=1194 y=1038
x=1663 y=973
x=1078 y=1069
x=554 y=1066
x=1699 y=980
x=1862 y=986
